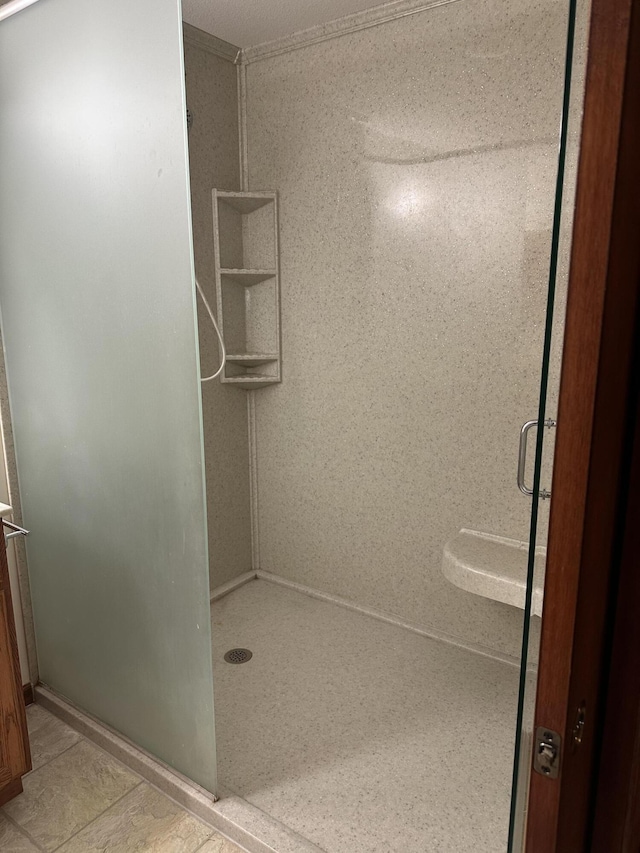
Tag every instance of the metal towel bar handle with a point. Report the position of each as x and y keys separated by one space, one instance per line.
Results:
x=522 y=458
x=16 y=530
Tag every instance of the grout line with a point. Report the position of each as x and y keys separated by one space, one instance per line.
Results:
x=183 y=808
x=142 y=781
x=389 y=618
x=23 y=831
x=53 y=758
x=206 y=841
x=98 y=816
x=214 y=833
x=234 y=818
x=99 y=735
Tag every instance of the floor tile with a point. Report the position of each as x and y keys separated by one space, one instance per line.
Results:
x=66 y=794
x=218 y=844
x=11 y=839
x=48 y=736
x=144 y=820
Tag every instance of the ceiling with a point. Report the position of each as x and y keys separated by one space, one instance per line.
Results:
x=246 y=23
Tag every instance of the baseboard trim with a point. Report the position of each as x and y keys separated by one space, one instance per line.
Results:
x=232 y=816
x=27 y=692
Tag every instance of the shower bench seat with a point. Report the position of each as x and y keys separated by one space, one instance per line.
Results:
x=494 y=567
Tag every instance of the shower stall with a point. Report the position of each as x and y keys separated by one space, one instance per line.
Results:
x=368 y=541
x=378 y=207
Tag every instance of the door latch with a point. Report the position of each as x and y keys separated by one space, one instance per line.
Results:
x=546 y=759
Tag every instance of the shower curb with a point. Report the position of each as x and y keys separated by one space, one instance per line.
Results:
x=231 y=816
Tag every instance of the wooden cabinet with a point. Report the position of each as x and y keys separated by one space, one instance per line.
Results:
x=15 y=758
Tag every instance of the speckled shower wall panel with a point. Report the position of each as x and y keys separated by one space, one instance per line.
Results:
x=213 y=161
x=415 y=162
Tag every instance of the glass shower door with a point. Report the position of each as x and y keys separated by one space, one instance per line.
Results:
x=98 y=324
x=539 y=488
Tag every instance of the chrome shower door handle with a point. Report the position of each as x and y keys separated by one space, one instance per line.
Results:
x=522 y=458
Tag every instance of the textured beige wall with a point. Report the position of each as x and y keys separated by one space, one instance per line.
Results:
x=214 y=162
x=415 y=163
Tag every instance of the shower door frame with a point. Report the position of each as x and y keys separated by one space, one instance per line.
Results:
x=592 y=491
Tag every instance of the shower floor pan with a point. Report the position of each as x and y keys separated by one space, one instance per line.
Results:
x=357 y=734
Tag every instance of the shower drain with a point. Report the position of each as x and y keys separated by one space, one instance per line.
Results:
x=238 y=656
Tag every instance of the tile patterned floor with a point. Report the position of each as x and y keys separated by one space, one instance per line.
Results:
x=78 y=799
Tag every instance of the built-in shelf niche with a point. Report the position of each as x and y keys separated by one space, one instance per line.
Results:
x=248 y=286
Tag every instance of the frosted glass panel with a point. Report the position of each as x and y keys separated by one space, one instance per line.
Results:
x=98 y=314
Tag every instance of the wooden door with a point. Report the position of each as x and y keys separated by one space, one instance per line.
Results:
x=15 y=758
x=596 y=412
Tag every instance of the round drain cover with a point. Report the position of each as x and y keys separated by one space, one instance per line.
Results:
x=238 y=656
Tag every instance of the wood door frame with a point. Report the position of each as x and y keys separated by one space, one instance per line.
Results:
x=596 y=410
x=616 y=811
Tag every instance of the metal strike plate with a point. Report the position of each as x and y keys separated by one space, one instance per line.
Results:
x=578 y=728
x=546 y=758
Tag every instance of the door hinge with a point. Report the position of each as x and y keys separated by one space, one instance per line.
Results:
x=546 y=759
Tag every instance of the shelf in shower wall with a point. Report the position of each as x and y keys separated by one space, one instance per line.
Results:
x=254 y=359
x=250 y=382
x=248 y=277
x=248 y=286
x=494 y=567
x=245 y=202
